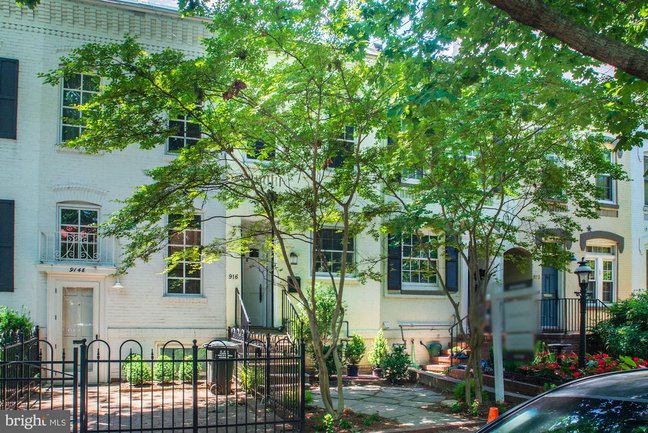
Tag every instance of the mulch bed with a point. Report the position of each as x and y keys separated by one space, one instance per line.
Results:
x=351 y=422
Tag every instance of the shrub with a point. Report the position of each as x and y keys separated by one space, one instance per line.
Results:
x=251 y=377
x=395 y=364
x=136 y=371
x=626 y=331
x=164 y=369
x=185 y=371
x=12 y=321
x=355 y=350
x=379 y=350
x=459 y=391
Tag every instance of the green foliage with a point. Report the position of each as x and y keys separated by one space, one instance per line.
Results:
x=326 y=425
x=185 y=370
x=371 y=419
x=135 y=370
x=12 y=321
x=379 y=350
x=396 y=364
x=355 y=349
x=459 y=391
x=164 y=369
x=626 y=332
x=308 y=397
x=251 y=377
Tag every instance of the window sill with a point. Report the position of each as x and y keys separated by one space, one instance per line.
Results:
x=608 y=205
x=60 y=147
x=417 y=294
x=184 y=299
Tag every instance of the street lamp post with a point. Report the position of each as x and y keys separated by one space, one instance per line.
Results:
x=583 y=272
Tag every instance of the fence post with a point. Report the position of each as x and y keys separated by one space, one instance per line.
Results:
x=83 y=385
x=302 y=386
x=267 y=368
x=75 y=391
x=194 y=385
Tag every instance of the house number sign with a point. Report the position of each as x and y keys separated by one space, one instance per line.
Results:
x=233 y=276
x=77 y=269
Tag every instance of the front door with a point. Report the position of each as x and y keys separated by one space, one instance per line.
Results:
x=257 y=287
x=549 y=303
x=77 y=317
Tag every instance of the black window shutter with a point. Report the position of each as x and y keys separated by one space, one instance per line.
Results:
x=6 y=245
x=8 y=97
x=393 y=263
x=452 y=269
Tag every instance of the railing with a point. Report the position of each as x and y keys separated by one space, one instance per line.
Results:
x=562 y=315
x=241 y=318
x=454 y=332
x=292 y=323
x=81 y=248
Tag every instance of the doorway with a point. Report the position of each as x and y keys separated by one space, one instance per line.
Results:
x=549 y=308
x=78 y=316
x=256 y=283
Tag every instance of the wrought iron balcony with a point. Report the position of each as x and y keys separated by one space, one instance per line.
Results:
x=77 y=248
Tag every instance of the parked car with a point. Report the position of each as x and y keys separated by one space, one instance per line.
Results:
x=614 y=402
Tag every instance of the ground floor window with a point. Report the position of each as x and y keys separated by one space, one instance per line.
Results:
x=185 y=276
x=602 y=284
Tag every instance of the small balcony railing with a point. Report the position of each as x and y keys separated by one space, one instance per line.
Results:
x=77 y=248
x=562 y=315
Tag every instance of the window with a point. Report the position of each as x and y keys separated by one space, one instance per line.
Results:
x=553 y=183
x=185 y=133
x=605 y=184
x=78 y=234
x=8 y=97
x=329 y=251
x=342 y=147
x=419 y=260
x=78 y=89
x=602 y=260
x=185 y=276
x=413 y=175
x=645 y=168
x=260 y=151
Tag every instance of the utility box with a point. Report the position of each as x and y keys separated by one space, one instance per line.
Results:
x=220 y=365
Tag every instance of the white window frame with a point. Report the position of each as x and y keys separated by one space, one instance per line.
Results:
x=645 y=177
x=59 y=223
x=599 y=259
x=613 y=186
x=412 y=177
x=187 y=140
x=63 y=107
x=428 y=286
x=343 y=140
x=184 y=263
x=323 y=273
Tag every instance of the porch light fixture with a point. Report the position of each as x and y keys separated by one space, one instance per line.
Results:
x=583 y=272
x=293 y=258
x=118 y=285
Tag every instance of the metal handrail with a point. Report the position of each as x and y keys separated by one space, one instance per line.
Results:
x=241 y=318
x=453 y=331
x=290 y=315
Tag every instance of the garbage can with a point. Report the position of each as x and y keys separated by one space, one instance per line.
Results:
x=220 y=366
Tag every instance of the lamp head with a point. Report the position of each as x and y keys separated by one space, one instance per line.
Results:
x=583 y=271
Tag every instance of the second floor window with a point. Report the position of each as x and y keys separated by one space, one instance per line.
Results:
x=260 y=151
x=185 y=276
x=645 y=169
x=330 y=250
x=78 y=89
x=185 y=133
x=342 y=147
x=605 y=190
x=78 y=234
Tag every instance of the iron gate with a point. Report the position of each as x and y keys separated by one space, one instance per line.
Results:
x=257 y=387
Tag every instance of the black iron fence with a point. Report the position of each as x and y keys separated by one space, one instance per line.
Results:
x=562 y=315
x=251 y=383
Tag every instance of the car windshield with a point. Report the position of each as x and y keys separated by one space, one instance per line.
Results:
x=578 y=414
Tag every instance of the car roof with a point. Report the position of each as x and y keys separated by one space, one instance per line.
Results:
x=628 y=385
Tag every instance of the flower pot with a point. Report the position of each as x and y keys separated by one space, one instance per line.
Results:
x=377 y=372
x=352 y=370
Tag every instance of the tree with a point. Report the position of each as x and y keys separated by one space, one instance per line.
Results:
x=569 y=23
x=278 y=82
x=507 y=160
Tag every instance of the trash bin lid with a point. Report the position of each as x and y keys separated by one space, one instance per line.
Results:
x=221 y=344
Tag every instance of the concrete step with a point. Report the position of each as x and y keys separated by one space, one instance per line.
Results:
x=434 y=367
x=445 y=360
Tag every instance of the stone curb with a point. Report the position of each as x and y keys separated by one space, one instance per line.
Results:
x=436 y=428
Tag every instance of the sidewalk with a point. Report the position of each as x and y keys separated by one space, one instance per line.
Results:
x=411 y=406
